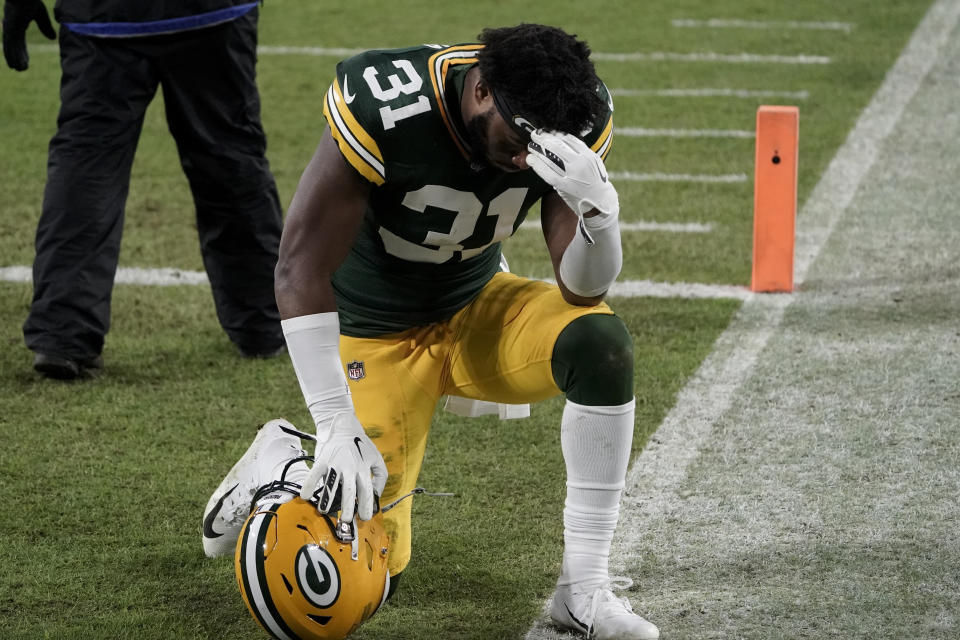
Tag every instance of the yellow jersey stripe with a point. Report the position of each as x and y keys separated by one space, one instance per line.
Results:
x=439 y=64
x=356 y=145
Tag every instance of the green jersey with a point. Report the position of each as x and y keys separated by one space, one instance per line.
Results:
x=432 y=231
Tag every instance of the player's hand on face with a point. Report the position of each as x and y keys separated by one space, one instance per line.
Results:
x=349 y=463
x=575 y=172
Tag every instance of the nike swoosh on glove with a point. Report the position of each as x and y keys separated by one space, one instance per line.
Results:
x=348 y=462
x=575 y=172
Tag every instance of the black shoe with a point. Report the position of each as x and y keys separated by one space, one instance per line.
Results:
x=261 y=351
x=65 y=368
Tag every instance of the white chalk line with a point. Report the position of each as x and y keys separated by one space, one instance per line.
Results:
x=159 y=276
x=643 y=132
x=657 y=176
x=710 y=92
x=710 y=56
x=635 y=56
x=659 y=471
x=693 y=290
x=733 y=23
x=644 y=225
x=166 y=277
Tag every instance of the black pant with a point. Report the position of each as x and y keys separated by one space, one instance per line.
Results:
x=213 y=112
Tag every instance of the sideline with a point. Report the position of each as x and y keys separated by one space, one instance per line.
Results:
x=655 y=480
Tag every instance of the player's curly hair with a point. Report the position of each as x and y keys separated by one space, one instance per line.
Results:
x=544 y=73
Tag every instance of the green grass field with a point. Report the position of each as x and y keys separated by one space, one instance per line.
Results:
x=109 y=478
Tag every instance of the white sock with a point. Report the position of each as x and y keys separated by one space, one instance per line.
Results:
x=596 y=449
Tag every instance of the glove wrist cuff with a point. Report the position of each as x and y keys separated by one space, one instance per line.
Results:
x=601 y=221
x=590 y=265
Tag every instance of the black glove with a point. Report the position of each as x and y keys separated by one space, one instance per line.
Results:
x=17 y=16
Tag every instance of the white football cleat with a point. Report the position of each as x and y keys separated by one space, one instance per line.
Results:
x=600 y=615
x=277 y=443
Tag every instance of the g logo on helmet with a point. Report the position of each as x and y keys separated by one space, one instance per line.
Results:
x=317 y=576
x=300 y=580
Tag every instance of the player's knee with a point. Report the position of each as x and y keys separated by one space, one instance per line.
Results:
x=593 y=361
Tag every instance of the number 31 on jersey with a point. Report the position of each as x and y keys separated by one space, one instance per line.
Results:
x=397 y=87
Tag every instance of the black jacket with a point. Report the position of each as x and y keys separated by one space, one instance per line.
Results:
x=135 y=10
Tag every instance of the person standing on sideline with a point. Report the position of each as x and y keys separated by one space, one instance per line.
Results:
x=113 y=55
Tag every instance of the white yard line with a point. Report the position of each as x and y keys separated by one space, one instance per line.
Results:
x=333 y=52
x=632 y=176
x=643 y=225
x=634 y=56
x=709 y=56
x=162 y=276
x=708 y=92
x=692 y=290
x=165 y=277
x=651 y=289
x=727 y=23
x=657 y=474
x=642 y=132
x=630 y=56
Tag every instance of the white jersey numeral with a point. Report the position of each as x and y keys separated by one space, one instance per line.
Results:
x=412 y=84
x=466 y=210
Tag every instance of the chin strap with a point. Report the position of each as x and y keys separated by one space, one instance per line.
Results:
x=345 y=531
x=418 y=490
x=282 y=484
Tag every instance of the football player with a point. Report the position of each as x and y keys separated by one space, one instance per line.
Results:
x=389 y=272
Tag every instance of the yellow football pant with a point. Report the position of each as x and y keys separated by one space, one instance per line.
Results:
x=497 y=348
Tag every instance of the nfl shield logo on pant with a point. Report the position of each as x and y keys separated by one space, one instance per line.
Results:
x=355 y=370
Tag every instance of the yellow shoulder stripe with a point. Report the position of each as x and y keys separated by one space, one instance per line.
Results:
x=356 y=145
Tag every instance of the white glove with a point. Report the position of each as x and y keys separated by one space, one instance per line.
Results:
x=576 y=172
x=349 y=461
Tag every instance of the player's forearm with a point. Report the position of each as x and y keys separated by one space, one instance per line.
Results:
x=325 y=215
x=313 y=342
x=594 y=257
x=311 y=329
x=300 y=292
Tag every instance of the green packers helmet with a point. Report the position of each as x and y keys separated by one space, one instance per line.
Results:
x=304 y=575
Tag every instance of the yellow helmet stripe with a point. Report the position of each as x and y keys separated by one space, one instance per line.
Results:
x=357 y=146
x=254 y=577
x=602 y=146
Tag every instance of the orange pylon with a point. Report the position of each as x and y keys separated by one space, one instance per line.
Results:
x=775 y=198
